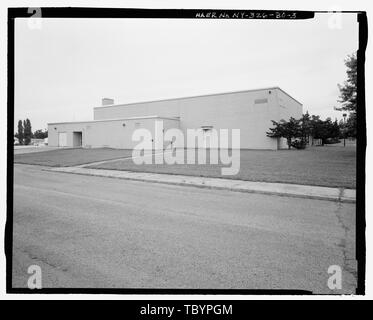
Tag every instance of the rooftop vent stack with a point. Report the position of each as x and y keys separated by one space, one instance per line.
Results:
x=107 y=101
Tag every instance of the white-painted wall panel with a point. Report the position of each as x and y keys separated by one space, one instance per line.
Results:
x=249 y=111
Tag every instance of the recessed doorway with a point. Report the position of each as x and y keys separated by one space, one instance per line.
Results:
x=77 y=139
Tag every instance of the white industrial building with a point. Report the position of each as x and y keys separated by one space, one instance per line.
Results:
x=251 y=111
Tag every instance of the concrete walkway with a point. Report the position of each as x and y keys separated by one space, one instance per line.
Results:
x=293 y=190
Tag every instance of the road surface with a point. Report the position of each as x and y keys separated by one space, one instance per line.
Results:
x=96 y=232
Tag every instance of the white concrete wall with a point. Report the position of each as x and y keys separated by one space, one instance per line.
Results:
x=245 y=110
x=234 y=111
x=165 y=108
x=249 y=111
x=105 y=133
x=288 y=107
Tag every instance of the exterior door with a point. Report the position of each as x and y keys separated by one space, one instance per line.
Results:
x=62 y=139
x=206 y=138
x=77 y=139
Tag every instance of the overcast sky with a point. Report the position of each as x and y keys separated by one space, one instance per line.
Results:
x=66 y=67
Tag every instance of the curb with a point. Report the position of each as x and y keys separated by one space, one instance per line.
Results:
x=279 y=189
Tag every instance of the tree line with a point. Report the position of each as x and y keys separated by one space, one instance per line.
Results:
x=297 y=132
x=24 y=132
x=300 y=132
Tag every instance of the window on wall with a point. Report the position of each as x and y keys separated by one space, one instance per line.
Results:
x=258 y=101
x=137 y=124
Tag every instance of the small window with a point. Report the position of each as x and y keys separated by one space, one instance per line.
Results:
x=206 y=128
x=137 y=124
x=258 y=101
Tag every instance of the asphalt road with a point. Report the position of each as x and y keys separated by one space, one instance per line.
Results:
x=96 y=232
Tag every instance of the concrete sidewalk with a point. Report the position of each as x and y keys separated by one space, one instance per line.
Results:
x=293 y=190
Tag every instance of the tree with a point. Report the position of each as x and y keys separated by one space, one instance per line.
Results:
x=351 y=125
x=286 y=129
x=306 y=126
x=348 y=93
x=39 y=134
x=334 y=130
x=27 y=131
x=314 y=126
x=19 y=134
x=325 y=129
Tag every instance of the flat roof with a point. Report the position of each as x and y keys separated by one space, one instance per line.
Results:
x=198 y=96
x=121 y=119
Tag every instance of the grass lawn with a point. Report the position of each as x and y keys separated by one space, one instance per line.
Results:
x=70 y=157
x=331 y=166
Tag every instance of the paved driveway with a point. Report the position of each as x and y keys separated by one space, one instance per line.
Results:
x=86 y=231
